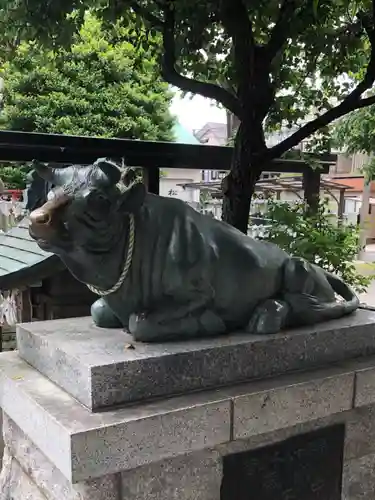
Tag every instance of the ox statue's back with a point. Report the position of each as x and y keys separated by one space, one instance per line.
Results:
x=163 y=271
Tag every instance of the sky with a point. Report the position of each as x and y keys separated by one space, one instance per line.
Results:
x=196 y=112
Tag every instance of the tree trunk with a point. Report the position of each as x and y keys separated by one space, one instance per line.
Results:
x=239 y=185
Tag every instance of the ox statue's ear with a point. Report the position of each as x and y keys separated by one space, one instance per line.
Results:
x=110 y=169
x=132 y=198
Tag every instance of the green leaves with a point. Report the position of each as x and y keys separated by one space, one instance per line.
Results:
x=355 y=133
x=317 y=239
x=14 y=177
x=95 y=88
x=321 y=49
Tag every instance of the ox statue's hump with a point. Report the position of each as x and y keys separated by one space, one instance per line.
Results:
x=192 y=230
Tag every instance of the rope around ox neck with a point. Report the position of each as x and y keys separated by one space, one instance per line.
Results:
x=128 y=262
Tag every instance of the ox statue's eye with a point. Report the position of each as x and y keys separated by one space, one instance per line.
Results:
x=100 y=203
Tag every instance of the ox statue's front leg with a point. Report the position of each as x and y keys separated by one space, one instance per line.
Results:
x=103 y=316
x=176 y=322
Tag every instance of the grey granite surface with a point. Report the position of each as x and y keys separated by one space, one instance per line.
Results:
x=49 y=480
x=15 y=484
x=359 y=479
x=191 y=477
x=360 y=432
x=84 y=445
x=288 y=405
x=102 y=367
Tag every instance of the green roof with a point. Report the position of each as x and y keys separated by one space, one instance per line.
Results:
x=22 y=262
x=184 y=136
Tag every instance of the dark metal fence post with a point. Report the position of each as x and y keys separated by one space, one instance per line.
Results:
x=311 y=188
x=151 y=179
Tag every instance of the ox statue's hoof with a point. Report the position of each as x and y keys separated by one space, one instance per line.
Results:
x=269 y=317
x=103 y=316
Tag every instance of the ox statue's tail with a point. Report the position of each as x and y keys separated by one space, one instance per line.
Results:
x=350 y=302
x=309 y=293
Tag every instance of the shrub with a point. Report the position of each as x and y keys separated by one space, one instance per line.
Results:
x=14 y=177
x=318 y=239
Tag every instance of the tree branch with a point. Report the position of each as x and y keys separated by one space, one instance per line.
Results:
x=153 y=20
x=172 y=76
x=281 y=30
x=236 y=21
x=352 y=102
x=313 y=126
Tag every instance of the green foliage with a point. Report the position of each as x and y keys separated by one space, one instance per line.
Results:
x=14 y=177
x=355 y=133
x=102 y=86
x=320 y=41
x=317 y=239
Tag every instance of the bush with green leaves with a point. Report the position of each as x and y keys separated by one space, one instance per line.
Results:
x=103 y=85
x=317 y=238
x=14 y=176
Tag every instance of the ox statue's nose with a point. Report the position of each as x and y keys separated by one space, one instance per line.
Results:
x=40 y=217
x=44 y=215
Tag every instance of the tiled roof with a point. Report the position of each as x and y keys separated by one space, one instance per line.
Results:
x=22 y=262
x=355 y=184
x=218 y=130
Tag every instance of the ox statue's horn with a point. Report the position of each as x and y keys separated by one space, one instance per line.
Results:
x=110 y=169
x=57 y=176
x=43 y=170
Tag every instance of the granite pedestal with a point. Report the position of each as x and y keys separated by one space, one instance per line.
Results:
x=91 y=415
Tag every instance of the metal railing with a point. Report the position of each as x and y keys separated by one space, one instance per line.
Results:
x=151 y=156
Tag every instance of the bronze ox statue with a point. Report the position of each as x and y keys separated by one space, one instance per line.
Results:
x=163 y=271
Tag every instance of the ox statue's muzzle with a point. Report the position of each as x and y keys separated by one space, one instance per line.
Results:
x=45 y=223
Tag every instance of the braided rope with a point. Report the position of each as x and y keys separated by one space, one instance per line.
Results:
x=128 y=262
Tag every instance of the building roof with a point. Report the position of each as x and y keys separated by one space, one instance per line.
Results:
x=22 y=262
x=288 y=183
x=217 y=130
x=353 y=183
x=184 y=136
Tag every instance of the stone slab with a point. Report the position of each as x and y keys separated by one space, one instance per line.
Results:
x=282 y=405
x=359 y=438
x=191 y=477
x=84 y=445
x=360 y=432
x=365 y=384
x=99 y=369
x=49 y=480
x=359 y=479
x=15 y=484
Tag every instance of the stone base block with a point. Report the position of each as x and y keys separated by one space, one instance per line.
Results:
x=25 y=461
x=359 y=479
x=97 y=368
x=84 y=445
x=15 y=484
x=28 y=475
x=174 y=449
x=184 y=478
